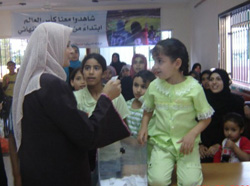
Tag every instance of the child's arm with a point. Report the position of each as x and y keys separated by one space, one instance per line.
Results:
x=188 y=140
x=143 y=133
x=243 y=156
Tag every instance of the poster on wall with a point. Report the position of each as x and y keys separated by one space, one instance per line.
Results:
x=89 y=28
x=133 y=27
x=96 y=28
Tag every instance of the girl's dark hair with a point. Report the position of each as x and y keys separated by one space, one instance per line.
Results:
x=196 y=65
x=206 y=72
x=146 y=75
x=174 y=49
x=234 y=117
x=73 y=73
x=98 y=57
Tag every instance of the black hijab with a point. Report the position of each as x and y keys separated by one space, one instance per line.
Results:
x=222 y=102
x=117 y=65
x=220 y=99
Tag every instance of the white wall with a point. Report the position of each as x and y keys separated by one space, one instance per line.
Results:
x=204 y=34
x=5 y=24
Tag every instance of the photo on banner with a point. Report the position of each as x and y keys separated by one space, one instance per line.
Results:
x=133 y=27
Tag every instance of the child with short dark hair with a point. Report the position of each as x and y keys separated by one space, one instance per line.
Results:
x=77 y=80
x=238 y=147
x=141 y=81
x=135 y=156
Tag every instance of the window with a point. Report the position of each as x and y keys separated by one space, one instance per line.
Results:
x=126 y=53
x=234 y=43
x=11 y=49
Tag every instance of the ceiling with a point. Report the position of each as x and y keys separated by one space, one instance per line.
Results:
x=43 y=5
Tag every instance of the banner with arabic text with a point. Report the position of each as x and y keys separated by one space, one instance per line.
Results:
x=96 y=28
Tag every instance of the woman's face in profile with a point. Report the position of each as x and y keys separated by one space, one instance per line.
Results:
x=75 y=54
x=215 y=83
x=67 y=55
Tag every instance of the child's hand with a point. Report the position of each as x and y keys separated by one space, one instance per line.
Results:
x=212 y=150
x=187 y=143
x=142 y=136
x=229 y=144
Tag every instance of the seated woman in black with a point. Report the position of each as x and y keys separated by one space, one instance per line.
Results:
x=223 y=102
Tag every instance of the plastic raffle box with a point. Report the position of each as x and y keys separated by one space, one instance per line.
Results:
x=123 y=163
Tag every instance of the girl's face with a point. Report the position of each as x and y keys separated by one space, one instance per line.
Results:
x=125 y=72
x=232 y=131
x=78 y=82
x=165 y=69
x=205 y=81
x=108 y=74
x=139 y=87
x=92 y=72
x=67 y=55
x=75 y=54
x=138 y=64
x=215 y=83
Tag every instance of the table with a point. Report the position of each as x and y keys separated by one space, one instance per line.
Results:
x=224 y=174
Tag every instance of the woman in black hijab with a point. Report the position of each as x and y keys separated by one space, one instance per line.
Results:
x=116 y=63
x=223 y=102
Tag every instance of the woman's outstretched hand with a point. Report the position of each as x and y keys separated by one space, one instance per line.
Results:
x=112 y=89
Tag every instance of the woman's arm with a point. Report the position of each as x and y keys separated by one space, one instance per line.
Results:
x=14 y=161
x=103 y=127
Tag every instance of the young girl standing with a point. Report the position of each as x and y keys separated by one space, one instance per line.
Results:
x=177 y=101
x=93 y=67
x=141 y=82
x=137 y=164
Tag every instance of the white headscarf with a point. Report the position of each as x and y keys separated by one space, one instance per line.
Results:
x=44 y=54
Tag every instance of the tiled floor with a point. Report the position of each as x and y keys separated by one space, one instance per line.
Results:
x=8 y=169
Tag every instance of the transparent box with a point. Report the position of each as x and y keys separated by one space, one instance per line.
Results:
x=123 y=163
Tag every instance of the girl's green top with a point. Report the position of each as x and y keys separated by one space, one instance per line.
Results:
x=177 y=108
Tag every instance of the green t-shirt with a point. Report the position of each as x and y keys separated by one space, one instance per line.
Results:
x=10 y=88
